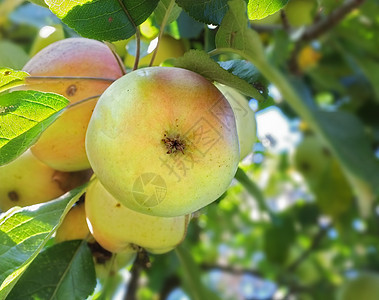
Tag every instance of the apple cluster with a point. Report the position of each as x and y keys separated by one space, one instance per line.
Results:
x=161 y=143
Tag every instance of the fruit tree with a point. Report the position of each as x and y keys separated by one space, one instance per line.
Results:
x=176 y=149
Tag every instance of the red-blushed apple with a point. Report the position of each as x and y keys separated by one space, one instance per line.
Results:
x=163 y=141
x=61 y=146
x=117 y=228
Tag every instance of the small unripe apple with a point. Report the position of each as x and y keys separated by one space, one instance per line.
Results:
x=74 y=225
x=46 y=36
x=168 y=48
x=245 y=119
x=61 y=146
x=364 y=287
x=163 y=141
x=116 y=227
x=27 y=181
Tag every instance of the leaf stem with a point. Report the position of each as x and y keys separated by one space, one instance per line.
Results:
x=162 y=27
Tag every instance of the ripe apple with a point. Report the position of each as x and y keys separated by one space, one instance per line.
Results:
x=245 y=119
x=168 y=48
x=117 y=228
x=27 y=181
x=364 y=287
x=74 y=225
x=61 y=146
x=163 y=141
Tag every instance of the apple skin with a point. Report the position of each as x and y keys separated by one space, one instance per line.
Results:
x=74 y=225
x=130 y=132
x=117 y=228
x=27 y=181
x=364 y=287
x=245 y=119
x=61 y=146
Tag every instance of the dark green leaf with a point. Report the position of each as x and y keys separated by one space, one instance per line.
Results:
x=24 y=115
x=260 y=9
x=110 y=20
x=10 y=78
x=205 y=11
x=198 y=61
x=24 y=232
x=192 y=276
x=248 y=72
x=62 y=271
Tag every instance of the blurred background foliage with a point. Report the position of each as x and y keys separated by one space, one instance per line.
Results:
x=310 y=236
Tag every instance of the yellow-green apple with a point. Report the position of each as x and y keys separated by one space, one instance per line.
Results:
x=61 y=146
x=46 y=36
x=27 y=181
x=364 y=287
x=163 y=141
x=168 y=48
x=245 y=119
x=117 y=228
x=74 y=225
x=300 y=12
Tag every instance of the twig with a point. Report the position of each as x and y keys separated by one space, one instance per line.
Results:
x=231 y=270
x=324 y=25
x=142 y=262
x=83 y=100
x=285 y=22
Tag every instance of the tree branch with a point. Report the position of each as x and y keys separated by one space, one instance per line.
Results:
x=323 y=25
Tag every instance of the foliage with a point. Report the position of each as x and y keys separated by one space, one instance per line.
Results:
x=298 y=221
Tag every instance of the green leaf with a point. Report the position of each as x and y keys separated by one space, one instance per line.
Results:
x=199 y=61
x=370 y=69
x=10 y=78
x=192 y=276
x=167 y=9
x=62 y=271
x=24 y=115
x=110 y=20
x=260 y=9
x=248 y=72
x=12 y=55
x=24 y=232
x=205 y=11
x=234 y=32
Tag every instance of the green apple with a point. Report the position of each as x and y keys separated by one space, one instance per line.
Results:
x=364 y=287
x=168 y=48
x=27 y=181
x=61 y=146
x=163 y=141
x=245 y=119
x=46 y=36
x=116 y=228
x=300 y=12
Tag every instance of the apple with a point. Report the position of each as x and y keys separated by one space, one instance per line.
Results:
x=61 y=146
x=300 y=12
x=74 y=225
x=27 y=181
x=308 y=58
x=245 y=119
x=364 y=287
x=163 y=141
x=324 y=176
x=117 y=228
x=168 y=48
x=46 y=36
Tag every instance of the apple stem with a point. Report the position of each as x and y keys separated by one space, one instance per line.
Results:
x=138 y=47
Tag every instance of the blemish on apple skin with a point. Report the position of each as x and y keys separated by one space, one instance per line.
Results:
x=13 y=196
x=71 y=90
x=118 y=205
